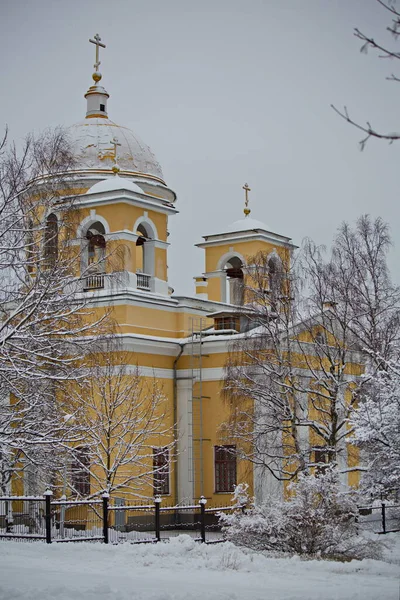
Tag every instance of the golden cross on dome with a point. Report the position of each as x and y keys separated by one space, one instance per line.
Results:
x=114 y=142
x=97 y=42
x=246 y=189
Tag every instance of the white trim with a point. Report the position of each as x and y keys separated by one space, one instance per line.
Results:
x=130 y=200
x=226 y=258
x=87 y=221
x=126 y=235
x=147 y=221
x=247 y=237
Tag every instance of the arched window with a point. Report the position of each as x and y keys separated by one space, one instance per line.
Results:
x=234 y=281
x=274 y=280
x=96 y=248
x=51 y=240
x=144 y=256
x=143 y=237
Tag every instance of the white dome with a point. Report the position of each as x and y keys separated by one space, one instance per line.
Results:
x=114 y=183
x=246 y=224
x=91 y=140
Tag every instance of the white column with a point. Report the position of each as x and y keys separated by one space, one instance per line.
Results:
x=185 y=440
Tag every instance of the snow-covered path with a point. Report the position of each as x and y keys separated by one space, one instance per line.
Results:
x=182 y=569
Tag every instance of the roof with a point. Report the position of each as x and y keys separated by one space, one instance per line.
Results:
x=91 y=140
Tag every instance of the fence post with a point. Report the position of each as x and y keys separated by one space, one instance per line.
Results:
x=383 y=517
x=106 y=498
x=203 y=503
x=157 y=502
x=47 y=496
x=62 y=516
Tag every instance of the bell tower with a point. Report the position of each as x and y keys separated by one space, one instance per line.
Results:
x=228 y=256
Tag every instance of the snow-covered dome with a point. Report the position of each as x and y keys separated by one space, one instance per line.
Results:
x=246 y=224
x=92 y=143
x=112 y=183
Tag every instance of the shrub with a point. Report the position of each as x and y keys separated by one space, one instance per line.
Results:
x=318 y=519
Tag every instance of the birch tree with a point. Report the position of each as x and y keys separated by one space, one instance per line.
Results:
x=292 y=381
x=376 y=424
x=45 y=321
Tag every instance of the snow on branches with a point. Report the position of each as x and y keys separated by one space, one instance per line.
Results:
x=376 y=424
x=318 y=519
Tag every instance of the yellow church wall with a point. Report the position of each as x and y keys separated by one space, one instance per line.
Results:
x=215 y=412
x=142 y=483
x=160 y=267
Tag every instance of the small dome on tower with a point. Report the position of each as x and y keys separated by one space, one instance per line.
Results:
x=114 y=183
x=246 y=224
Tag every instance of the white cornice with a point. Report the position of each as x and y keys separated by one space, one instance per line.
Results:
x=128 y=236
x=246 y=236
x=125 y=197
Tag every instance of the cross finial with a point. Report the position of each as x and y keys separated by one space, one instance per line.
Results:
x=114 y=142
x=246 y=209
x=97 y=42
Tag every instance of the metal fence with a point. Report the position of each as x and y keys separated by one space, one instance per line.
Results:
x=32 y=518
x=111 y=521
x=380 y=518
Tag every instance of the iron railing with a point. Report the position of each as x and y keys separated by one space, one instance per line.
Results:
x=143 y=281
x=94 y=282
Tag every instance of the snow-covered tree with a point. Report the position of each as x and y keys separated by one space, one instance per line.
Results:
x=126 y=429
x=376 y=425
x=45 y=322
x=293 y=380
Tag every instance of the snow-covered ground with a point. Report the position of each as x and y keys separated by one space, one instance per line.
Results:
x=184 y=569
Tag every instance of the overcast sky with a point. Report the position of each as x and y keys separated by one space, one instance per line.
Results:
x=224 y=92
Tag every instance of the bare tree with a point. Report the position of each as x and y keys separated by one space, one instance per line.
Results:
x=45 y=321
x=369 y=42
x=125 y=427
x=292 y=380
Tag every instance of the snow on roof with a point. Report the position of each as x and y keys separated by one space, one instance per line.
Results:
x=113 y=183
x=246 y=224
x=91 y=141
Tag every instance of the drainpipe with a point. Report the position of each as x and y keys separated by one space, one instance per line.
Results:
x=175 y=402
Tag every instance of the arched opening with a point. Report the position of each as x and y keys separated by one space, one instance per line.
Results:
x=51 y=240
x=144 y=256
x=96 y=256
x=234 y=291
x=274 y=280
x=96 y=249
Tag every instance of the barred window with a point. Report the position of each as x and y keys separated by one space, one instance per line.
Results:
x=225 y=468
x=80 y=472
x=161 y=470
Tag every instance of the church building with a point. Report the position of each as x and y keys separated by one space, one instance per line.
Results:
x=123 y=199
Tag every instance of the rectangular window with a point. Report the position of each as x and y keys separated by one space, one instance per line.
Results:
x=161 y=471
x=321 y=459
x=80 y=472
x=225 y=468
x=227 y=323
